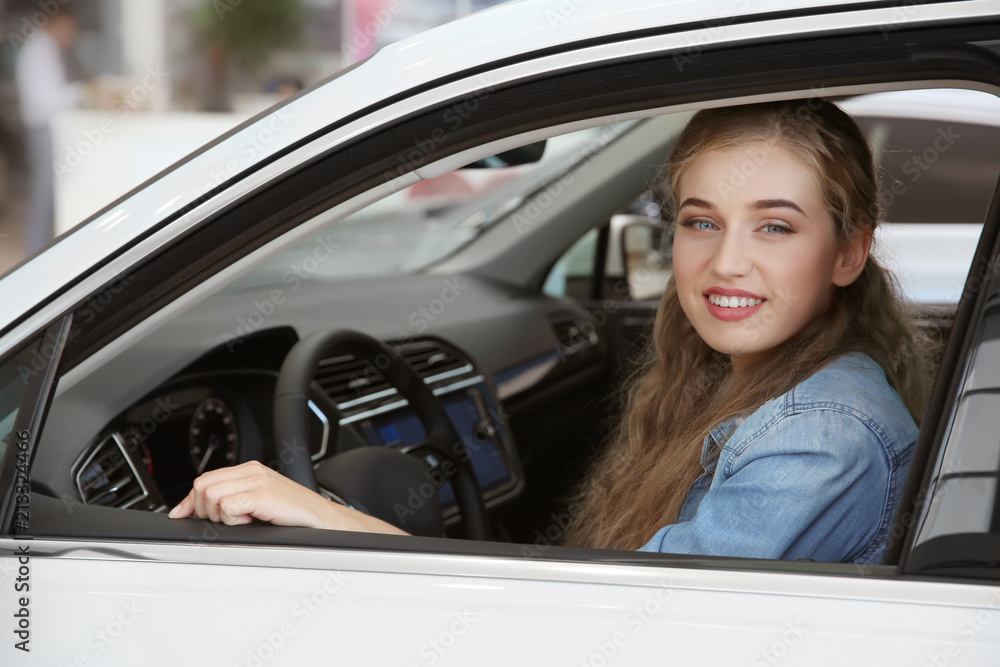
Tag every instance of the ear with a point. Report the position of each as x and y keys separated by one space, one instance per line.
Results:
x=852 y=257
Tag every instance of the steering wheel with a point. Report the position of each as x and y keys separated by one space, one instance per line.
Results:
x=443 y=449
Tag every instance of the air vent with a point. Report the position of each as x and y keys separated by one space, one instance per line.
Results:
x=346 y=379
x=350 y=382
x=573 y=333
x=108 y=478
x=430 y=360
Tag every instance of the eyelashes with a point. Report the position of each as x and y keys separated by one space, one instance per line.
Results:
x=695 y=222
x=774 y=227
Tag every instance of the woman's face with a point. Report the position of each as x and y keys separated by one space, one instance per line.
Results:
x=755 y=253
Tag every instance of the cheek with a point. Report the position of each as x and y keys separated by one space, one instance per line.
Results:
x=686 y=261
x=802 y=275
x=685 y=282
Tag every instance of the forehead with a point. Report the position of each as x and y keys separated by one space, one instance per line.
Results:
x=749 y=171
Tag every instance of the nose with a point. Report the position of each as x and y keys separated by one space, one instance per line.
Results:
x=732 y=259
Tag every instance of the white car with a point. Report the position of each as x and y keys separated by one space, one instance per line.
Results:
x=230 y=309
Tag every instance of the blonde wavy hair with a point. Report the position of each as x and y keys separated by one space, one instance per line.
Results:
x=683 y=388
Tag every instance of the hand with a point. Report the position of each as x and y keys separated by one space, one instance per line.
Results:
x=251 y=490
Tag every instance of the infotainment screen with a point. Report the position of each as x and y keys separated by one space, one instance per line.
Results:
x=474 y=427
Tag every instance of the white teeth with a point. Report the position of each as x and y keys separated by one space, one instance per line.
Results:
x=732 y=301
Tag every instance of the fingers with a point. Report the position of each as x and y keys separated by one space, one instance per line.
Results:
x=228 y=495
x=184 y=508
x=239 y=494
x=237 y=509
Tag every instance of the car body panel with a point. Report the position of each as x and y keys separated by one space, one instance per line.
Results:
x=444 y=609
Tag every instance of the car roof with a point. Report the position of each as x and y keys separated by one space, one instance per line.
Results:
x=495 y=36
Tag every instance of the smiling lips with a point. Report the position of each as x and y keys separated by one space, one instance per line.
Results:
x=731 y=304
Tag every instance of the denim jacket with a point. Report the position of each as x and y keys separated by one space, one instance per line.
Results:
x=815 y=473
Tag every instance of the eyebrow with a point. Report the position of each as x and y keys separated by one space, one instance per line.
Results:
x=757 y=205
x=776 y=203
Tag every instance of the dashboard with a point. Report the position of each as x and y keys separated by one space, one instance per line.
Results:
x=522 y=377
x=208 y=417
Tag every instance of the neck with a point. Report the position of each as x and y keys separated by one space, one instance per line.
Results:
x=742 y=363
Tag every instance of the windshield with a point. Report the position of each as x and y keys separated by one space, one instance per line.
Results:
x=428 y=221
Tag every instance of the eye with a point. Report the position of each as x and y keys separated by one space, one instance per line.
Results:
x=778 y=228
x=699 y=223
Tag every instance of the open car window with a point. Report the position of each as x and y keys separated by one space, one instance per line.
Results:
x=178 y=359
x=195 y=391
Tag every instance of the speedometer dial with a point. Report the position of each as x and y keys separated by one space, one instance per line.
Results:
x=213 y=437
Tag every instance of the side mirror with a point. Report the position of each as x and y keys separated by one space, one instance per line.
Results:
x=647 y=255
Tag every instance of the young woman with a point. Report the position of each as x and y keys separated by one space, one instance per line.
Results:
x=777 y=411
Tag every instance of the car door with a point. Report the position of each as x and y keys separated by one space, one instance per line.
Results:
x=93 y=585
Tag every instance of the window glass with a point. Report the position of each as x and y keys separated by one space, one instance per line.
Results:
x=420 y=225
x=14 y=377
x=919 y=159
x=573 y=274
x=938 y=158
x=962 y=498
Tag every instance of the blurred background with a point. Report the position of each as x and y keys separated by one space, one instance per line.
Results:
x=96 y=96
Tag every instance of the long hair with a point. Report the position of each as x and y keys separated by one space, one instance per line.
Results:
x=683 y=388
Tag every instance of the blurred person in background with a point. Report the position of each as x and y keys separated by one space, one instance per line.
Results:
x=44 y=90
x=287 y=86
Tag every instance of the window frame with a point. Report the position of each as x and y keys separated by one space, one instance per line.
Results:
x=720 y=73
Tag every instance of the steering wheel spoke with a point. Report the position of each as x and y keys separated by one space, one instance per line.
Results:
x=377 y=482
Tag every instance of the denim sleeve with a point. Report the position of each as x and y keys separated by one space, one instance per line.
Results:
x=814 y=484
